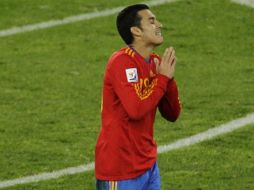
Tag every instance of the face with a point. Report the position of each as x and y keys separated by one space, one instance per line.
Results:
x=150 y=28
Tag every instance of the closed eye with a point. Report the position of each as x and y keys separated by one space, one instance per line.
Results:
x=152 y=20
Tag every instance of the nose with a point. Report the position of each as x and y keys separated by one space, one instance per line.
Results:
x=159 y=24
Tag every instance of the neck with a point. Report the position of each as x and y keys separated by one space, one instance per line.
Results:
x=144 y=51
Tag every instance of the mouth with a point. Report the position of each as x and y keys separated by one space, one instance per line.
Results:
x=158 y=33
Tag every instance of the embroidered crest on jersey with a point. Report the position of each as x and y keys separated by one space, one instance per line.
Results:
x=145 y=87
x=132 y=75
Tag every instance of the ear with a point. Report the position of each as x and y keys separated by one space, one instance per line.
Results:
x=136 y=31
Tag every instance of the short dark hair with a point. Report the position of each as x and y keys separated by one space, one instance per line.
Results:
x=128 y=18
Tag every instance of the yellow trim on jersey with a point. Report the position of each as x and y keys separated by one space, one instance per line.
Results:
x=133 y=53
x=130 y=52
x=127 y=51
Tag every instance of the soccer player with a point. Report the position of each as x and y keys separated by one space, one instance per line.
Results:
x=136 y=83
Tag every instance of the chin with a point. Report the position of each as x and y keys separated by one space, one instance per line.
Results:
x=159 y=42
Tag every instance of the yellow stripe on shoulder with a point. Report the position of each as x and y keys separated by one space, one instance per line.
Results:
x=127 y=50
x=133 y=53
x=130 y=52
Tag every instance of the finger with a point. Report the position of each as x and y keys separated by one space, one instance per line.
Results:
x=169 y=54
x=173 y=66
x=171 y=50
x=164 y=55
x=174 y=62
x=172 y=57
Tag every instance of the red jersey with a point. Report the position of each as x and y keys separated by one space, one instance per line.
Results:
x=132 y=91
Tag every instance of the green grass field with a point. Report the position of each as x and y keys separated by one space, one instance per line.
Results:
x=50 y=91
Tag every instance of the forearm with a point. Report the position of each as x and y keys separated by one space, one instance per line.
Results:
x=169 y=105
x=138 y=105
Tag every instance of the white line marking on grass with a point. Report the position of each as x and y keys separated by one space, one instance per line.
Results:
x=245 y=2
x=47 y=176
x=210 y=133
x=72 y=19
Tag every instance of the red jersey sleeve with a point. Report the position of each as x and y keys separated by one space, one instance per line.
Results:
x=169 y=105
x=135 y=104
